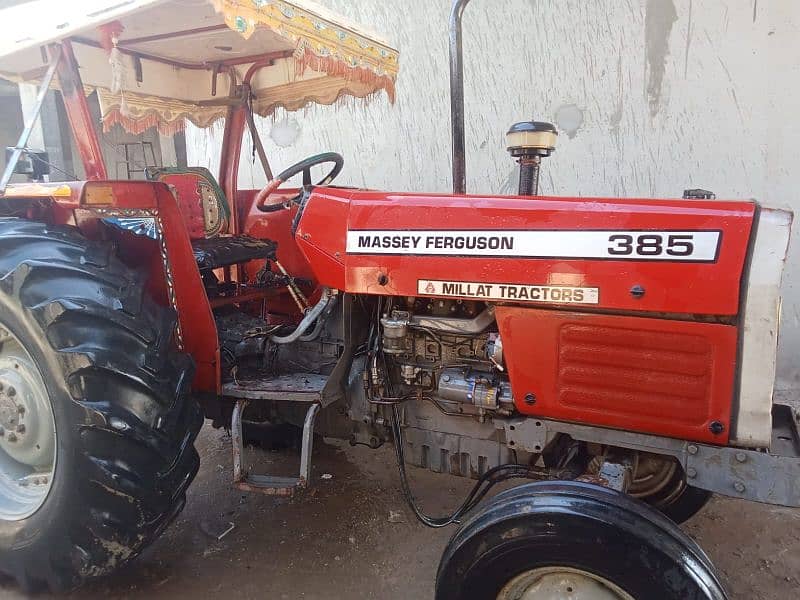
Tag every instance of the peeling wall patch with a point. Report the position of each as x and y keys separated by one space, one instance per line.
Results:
x=285 y=132
x=660 y=16
x=569 y=119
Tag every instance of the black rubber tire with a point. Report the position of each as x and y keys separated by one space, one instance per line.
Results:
x=575 y=525
x=125 y=423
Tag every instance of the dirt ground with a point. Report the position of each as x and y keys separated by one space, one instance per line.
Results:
x=336 y=541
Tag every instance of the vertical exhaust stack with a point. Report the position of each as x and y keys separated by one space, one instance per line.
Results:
x=529 y=142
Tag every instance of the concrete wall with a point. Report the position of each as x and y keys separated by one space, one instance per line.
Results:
x=651 y=96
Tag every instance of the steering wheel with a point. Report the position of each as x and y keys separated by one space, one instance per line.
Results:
x=304 y=166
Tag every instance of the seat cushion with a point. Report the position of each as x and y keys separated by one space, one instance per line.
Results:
x=213 y=253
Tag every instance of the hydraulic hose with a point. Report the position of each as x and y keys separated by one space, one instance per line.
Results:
x=307 y=321
x=481 y=488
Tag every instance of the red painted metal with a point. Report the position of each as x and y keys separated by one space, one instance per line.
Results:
x=277 y=227
x=671 y=287
x=235 y=120
x=188 y=191
x=660 y=376
x=181 y=282
x=203 y=66
x=80 y=118
x=171 y=35
x=198 y=327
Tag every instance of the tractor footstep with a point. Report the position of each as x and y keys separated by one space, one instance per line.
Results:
x=271 y=484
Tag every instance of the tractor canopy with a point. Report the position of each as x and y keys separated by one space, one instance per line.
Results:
x=157 y=63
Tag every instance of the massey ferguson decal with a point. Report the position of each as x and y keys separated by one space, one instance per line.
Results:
x=689 y=246
x=509 y=291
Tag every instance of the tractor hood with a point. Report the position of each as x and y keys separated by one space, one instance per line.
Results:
x=158 y=62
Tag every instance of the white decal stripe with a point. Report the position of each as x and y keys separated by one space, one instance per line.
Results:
x=667 y=245
x=509 y=291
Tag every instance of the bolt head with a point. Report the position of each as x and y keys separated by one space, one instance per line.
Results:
x=11 y=391
x=716 y=427
x=738 y=486
x=530 y=398
x=692 y=449
x=741 y=457
x=21 y=409
x=691 y=472
x=20 y=428
x=12 y=437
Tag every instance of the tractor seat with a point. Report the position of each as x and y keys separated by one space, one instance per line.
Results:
x=213 y=253
x=207 y=214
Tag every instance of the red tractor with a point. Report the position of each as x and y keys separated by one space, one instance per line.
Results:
x=619 y=351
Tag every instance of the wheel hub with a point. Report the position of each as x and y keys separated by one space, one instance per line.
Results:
x=561 y=583
x=27 y=432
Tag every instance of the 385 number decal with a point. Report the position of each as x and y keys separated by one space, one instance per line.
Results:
x=651 y=244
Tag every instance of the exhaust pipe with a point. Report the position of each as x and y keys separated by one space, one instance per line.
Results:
x=457 y=97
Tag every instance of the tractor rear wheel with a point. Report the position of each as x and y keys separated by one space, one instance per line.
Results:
x=573 y=540
x=98 y=429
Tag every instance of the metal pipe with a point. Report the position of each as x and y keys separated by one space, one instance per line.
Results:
x=311 y=316
x=457 y=98
x=455 y=325
x=254 y=136
x=529 y=176
x=308 y=443
x=237 y=442
x=55 y=58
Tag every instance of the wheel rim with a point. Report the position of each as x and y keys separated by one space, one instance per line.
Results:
x=27 y=432
x=558 y=583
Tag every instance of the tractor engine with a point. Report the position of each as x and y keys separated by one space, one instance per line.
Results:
x=449 y=353
x=439 y=363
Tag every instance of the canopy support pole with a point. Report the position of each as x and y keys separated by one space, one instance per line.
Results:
x=79 y=116
x=55 y=59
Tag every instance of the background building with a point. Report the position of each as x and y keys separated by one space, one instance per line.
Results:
x=651 y=97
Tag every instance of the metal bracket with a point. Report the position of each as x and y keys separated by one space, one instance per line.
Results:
x=528 y=433
x=771 y=477
x=270 y=484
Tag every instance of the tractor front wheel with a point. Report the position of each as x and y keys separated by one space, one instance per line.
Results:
x=573 y=540
x=96 y=425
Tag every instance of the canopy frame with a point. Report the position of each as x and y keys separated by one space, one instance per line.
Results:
x=19 y=148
